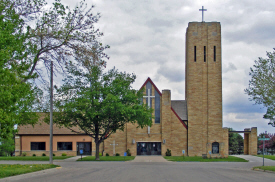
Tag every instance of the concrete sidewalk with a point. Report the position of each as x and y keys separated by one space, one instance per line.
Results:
x=256 y=160
x=149 y=159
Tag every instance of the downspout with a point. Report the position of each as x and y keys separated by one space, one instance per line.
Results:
x=126 y=137
x=20 y=145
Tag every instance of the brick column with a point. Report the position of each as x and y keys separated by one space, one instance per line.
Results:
x=253 y=141
x=166 y=121
x=246 y=142
x=17 y=146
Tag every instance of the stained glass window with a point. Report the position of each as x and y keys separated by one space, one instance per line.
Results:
x=157 y=107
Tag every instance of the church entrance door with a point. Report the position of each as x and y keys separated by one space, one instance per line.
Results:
x=148 y=148
x=85 y=146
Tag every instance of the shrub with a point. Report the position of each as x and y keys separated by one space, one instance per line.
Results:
x=64 y=154
x=24 y=154
x=128 y=152
x=168 y=153
x=53 y=154
x=100 y=154
x=117 y=154
x=43 y=154
x=204 y=156
x=33 y=155
x=107 y=154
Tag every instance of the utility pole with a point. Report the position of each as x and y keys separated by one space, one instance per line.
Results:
x=51 y=115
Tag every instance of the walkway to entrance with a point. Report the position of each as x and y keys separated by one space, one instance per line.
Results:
x=149 y=159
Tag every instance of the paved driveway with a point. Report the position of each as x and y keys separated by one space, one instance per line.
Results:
x=149 y=159
x=150 y=171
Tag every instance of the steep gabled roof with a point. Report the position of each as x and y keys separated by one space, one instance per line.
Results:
x=179 y=107
x=149 y=80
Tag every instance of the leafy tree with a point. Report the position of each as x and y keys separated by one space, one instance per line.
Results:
x=100 y=103
x=269 y=144
x=17 y=98
x=59 y=34
x=7 y=145
x=261 y=88
x=235 y=143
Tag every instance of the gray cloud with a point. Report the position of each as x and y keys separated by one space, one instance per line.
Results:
x=258 y=33
x=228 y=67
x=155 y=22
x=242 y=107
x=148 y=38
x=173 y=74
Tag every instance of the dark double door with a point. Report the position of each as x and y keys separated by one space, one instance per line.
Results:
x=148 y=148
x=85 y=146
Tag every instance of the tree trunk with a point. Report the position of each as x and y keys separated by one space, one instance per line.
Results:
x=97 y=151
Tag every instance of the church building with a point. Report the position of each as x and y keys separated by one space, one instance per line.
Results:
x=192 y=127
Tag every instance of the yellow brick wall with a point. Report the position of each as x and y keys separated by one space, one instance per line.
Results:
x=204 y=88
x=170 y=129
x=253 y=139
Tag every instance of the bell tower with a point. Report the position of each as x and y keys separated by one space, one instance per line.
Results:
x=204 y=90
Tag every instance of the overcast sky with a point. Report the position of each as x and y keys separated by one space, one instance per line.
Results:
x=147 y=37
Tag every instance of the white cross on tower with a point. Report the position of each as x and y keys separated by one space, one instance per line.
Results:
x=202 y=12
x=149 y=105
x=114 y=147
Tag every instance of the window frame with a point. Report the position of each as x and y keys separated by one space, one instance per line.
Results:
x=218 y=144
x=58 y=149
x=38 y=146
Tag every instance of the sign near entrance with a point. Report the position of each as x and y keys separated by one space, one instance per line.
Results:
x=183 y=151
x=81 y=152
x=264 y=138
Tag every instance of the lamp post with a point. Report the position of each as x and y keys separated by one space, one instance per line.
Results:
x=51 y=115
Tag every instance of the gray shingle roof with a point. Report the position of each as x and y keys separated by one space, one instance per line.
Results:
x=180 y=107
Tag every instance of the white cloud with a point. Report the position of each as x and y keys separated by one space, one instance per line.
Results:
x=148 y=39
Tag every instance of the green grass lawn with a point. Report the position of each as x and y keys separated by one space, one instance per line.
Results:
x=108 y=158
x=272 y=157
x=268 y=168
x=200 y=159
x=36 y=158
x=16 y=169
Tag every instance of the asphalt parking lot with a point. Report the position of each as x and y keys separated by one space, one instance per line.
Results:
x=146 y=169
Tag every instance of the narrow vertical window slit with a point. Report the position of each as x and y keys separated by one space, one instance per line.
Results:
x=195 y=54
x=214 y=53
x=204 y=53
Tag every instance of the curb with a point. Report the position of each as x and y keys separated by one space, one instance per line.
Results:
x=261 y=170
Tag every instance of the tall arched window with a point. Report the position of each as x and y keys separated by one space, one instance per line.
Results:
x=215 y=148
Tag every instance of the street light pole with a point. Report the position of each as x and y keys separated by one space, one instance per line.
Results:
x=51 y=115
x=263 y=151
